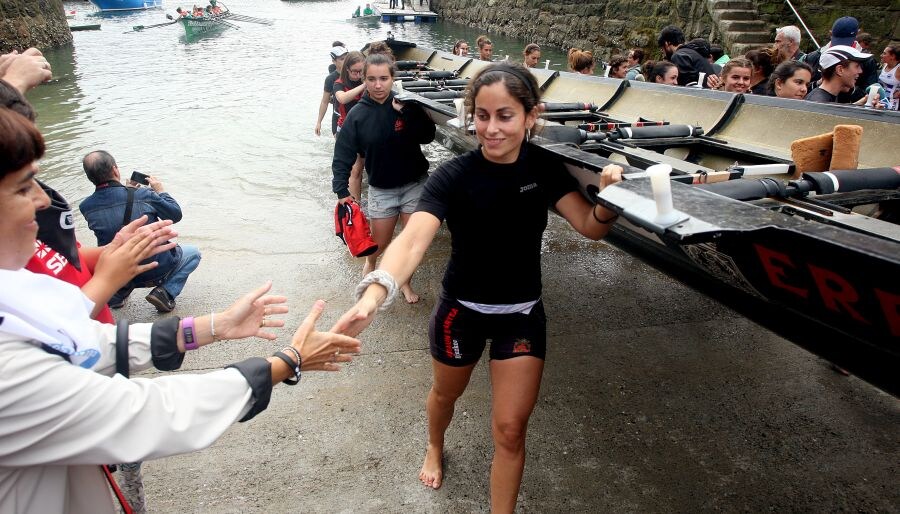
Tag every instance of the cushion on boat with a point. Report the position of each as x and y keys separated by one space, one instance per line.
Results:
x=812 y=153
x=845 y=149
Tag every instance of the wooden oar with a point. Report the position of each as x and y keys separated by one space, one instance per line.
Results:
x=249 y=19
x=138 y=28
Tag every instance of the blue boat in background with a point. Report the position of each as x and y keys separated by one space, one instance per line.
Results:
x=127 y=5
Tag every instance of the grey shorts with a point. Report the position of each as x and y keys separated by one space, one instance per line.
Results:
x=387 y=203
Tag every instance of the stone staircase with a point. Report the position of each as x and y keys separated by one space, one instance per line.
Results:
x=740 y=26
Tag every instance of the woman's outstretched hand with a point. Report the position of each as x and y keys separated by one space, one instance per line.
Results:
x=322 y=351
x=357 y=318
x=249 y=316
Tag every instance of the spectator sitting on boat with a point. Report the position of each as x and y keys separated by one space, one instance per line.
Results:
x=581 y=61
x=461 y=47
x=368 y=10
x=197 y=12
x=112 y=206
x=215 y=10
x=787 y=44
x=618 y=67
x=763 y=66
x=690 y=63
x=485 y=48
x=532 y=55
x=663 y=72
x=635 y=59
x=182 y=13
x=840 y=70
x=790 y=80
x=736 y=75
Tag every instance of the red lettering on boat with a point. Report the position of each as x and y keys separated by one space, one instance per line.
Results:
x=772 y=262
x=835 y=290
x=890 y=305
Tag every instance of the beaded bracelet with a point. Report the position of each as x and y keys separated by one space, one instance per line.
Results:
x=602 y=222
x=292 y=365
x=296 y=354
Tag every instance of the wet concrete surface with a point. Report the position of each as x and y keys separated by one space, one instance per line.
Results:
x=654 y=398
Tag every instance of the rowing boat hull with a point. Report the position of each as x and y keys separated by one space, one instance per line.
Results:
x=826 y=279
x=127 y=5
x=195 y=27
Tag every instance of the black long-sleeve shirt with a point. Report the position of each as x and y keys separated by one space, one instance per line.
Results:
x=389 y=141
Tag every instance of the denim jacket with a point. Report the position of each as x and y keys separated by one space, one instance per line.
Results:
x=105 y=208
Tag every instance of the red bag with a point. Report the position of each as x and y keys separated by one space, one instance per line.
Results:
x=351 y=226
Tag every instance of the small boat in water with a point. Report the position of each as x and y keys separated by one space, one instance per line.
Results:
x=127 y=5
x=813 y=256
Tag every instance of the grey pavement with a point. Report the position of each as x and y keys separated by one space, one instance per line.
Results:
x=654 y=398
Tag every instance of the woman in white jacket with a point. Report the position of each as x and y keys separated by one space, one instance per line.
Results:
x=61 y=415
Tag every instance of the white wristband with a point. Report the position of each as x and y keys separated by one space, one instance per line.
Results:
x=382 y=278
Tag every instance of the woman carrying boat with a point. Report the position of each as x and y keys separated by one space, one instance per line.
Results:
x=389 y=135
x=348 y=90
x=492 y=286
x=461 y=47
x=736 y=75
x=581 y=61
x=790 y=80
x=485 y=48
x=531 y=55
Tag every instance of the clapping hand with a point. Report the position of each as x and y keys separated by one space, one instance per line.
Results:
x=248 y=317
x=121 y=259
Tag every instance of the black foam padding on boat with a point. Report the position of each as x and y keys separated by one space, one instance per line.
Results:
x=658 y=132
x=562 y=134
x=566 y=106
x=856 y=180
x=440 y=95
x=409 y=65
x=747 y=189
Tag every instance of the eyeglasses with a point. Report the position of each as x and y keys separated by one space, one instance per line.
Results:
x=357 y=71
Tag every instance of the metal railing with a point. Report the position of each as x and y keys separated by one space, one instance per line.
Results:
x=802 y=23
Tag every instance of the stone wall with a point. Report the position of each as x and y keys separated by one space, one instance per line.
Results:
x=881 y=18
x=27 y=23
x=610 y=26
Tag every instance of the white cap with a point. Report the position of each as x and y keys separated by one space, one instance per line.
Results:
x=338 y=52
x=839 y=53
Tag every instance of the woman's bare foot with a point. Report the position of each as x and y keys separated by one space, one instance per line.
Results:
x=368 y=266
x=432 y=469
x=409 y=294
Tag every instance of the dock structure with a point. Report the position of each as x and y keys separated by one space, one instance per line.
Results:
x=411 y=10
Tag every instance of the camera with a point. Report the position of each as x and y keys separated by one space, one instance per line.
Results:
x=139 y=177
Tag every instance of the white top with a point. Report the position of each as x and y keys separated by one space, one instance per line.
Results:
x=60 y=421
x=889 y=81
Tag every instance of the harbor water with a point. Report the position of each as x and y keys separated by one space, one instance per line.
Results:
x=654 y=399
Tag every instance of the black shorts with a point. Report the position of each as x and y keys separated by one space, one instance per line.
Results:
x=458 y=334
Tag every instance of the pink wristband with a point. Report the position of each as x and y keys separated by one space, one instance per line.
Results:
x=187 y=328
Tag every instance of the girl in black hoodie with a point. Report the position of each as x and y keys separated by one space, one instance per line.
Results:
x=388 y=134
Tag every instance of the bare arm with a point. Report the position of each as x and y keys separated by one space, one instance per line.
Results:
x=323 y=108
x=400 y=260
x=591 y=221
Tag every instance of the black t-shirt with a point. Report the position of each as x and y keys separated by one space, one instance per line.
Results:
x=329 y=88
x=496 y=214
x=820 y=95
